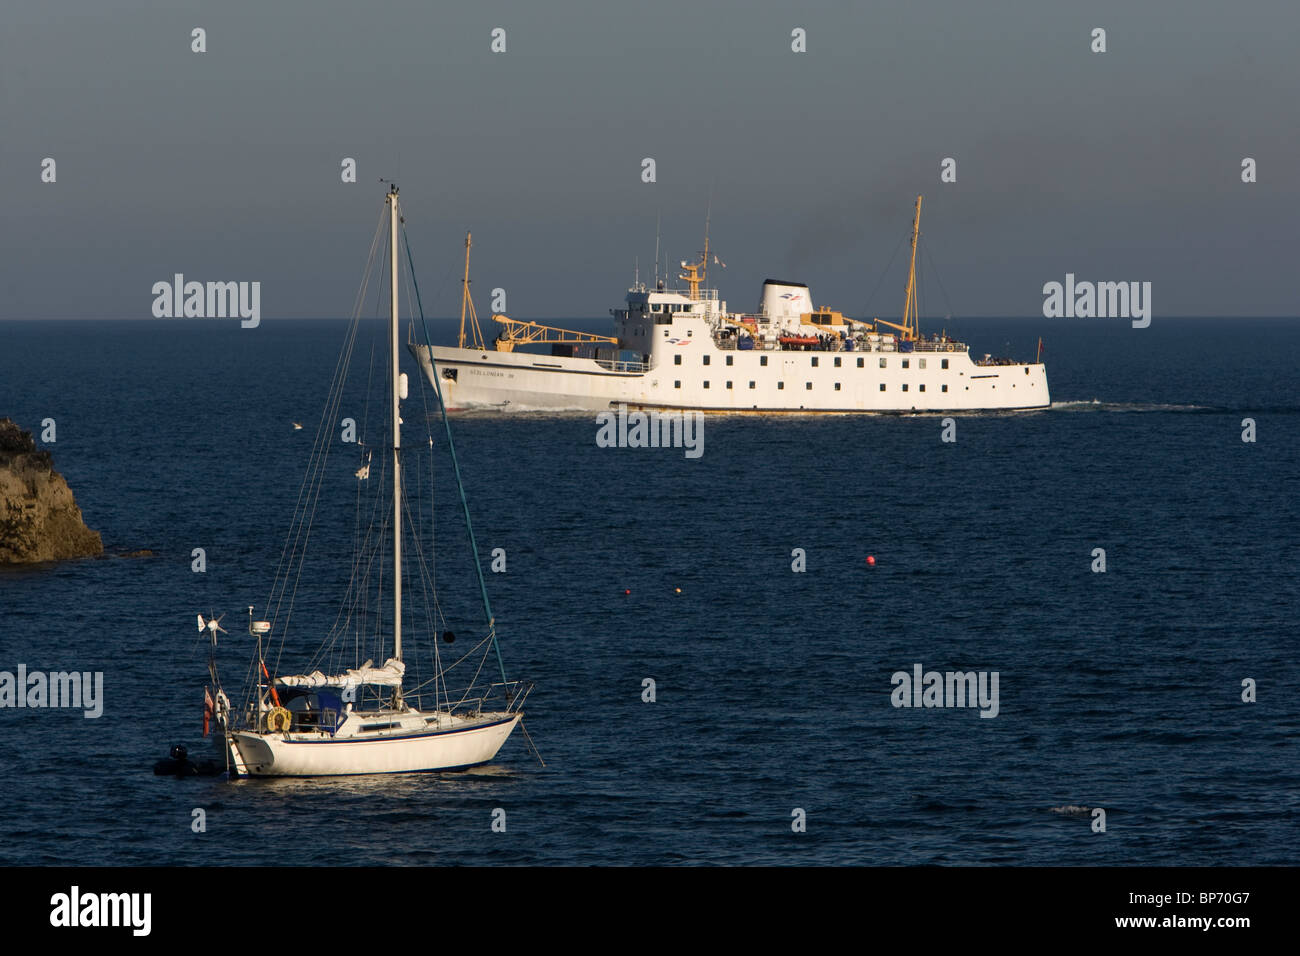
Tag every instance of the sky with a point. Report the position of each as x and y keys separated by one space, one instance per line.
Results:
x=225 y=165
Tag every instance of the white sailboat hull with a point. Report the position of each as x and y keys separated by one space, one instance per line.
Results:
x=318 y=755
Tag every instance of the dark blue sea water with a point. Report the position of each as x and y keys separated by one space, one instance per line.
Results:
x=1119 y=690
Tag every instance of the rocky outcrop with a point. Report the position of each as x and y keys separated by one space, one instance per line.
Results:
x=39 y=519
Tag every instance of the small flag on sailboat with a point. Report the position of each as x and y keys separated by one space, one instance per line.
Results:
x=208 y=708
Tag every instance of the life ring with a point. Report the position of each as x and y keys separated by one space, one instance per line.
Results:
x=279 y=720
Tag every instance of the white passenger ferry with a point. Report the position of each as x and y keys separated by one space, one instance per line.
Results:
x=683 y=349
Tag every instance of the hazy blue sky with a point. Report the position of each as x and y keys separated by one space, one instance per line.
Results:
x=225 y=165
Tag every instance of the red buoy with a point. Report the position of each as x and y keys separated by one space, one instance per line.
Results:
x=871 y=560
x=627 y=590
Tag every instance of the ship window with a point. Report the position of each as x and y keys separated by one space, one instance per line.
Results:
x=729 y=358
x=943 y=363
x=905 y=386
x=943 y=388
x=780 y=385
x=665 y=333
x=920 y=363
x=762 y=360
x=728 y=385
x=837 y=386
x=814 y=362
x=677 y=359
x=1026 y=369
x=654 y=307
x=884 y=363
x=859 y=363
x=690 y=332
x=837 y=361
x=882 y=386
x=808 y=385
x=923 y=387
x=706 y=384
x=450 y=374
x=751 y=384
x=677 y=384
x=905 y=363
x=706 y=360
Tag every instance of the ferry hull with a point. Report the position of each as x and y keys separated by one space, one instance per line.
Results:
x=763 y=382
x=300 y=755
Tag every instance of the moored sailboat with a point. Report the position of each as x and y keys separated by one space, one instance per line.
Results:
x=363 y=719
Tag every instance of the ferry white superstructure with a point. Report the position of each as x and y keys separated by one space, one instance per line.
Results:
x=683 y=349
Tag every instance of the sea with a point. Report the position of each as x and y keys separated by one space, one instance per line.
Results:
x=697 y=700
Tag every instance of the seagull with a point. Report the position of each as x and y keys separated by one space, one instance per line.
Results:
x=297 y=426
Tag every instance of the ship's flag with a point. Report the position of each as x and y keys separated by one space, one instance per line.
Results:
x=208 y=708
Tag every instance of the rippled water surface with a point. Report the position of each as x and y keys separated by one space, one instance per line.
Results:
x=1119 y=690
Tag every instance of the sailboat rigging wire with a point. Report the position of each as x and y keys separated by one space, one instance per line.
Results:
x=450 y=667
x=451 y=448
x=309 y=492
x=532 y=746
x=299 y=531
x=427 y=572
x=356 y=597
x=347 y=607
x=307 y=523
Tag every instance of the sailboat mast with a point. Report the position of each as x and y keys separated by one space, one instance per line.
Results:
x=397 y=430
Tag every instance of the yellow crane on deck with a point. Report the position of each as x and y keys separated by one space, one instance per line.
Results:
x=519 y=332
x=515 y=331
